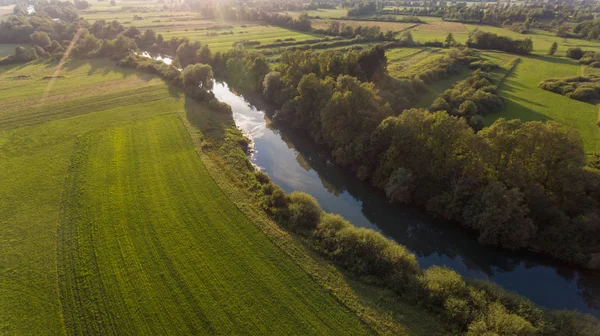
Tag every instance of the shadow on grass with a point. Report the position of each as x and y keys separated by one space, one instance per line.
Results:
x=211 y=124
x=553 y=59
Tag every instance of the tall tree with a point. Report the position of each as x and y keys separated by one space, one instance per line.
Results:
x=553 y=49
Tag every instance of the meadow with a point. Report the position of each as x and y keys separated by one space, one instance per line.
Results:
x=524 y=100
x=124 y=231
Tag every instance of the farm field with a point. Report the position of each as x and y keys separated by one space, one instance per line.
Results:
x=524 y=100
x=385 y=26
x=436 y=30
x=150 y=19
x=124 y=230
x=404 y=62
x=261 y=33
x=219 y=35
x=322 y=13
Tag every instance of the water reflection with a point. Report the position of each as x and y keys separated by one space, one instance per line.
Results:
x=295 y=163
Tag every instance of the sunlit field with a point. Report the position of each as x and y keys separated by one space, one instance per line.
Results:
x=124 y=231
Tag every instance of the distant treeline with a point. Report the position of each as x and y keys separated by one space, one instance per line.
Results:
x=502 y=14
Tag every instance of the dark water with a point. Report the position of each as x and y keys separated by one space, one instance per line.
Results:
x=295 y=163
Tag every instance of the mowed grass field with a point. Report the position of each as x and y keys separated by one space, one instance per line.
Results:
x=111 y=224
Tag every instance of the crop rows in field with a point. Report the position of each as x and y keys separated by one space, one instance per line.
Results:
x=147 y=242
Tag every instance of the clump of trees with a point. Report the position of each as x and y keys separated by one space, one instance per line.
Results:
x=21 y=55
x=575 y=53
x=485 y=40
x=578 y=87
x=471 y=98
x=365 y=8
x=589 y=29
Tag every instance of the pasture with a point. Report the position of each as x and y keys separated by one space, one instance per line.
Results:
x=524 y=100
x=321 y=13
x=123 y=230
x=385 y=26
x=225 y=39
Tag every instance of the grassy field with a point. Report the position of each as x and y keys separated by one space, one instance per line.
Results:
x=524 y=100
x=436 y=30
x=404 y=62
x=123 y=231
x=385 y=26
x=322 y=13
x=263 y=33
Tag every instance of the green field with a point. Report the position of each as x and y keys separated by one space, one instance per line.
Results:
x=263 y=33
x=112 y=225
x=524 y=100
x=323 y=13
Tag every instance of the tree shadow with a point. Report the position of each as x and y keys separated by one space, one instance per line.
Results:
x=211 y=124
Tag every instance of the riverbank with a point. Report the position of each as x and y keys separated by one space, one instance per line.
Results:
x=220 y=145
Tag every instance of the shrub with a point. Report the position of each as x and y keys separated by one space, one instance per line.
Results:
x=497 y=321
x=584 y=93
x=569 y=323
x=442 y=283
x=305 y=212
x=575 y=53
x=219 y=106
x=326 y=232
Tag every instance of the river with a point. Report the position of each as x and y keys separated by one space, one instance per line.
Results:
x=295 y=163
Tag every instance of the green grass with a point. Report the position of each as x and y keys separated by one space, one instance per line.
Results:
x=111 y=223
x=263 y=33
x=524 y=100
x=402 y=62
